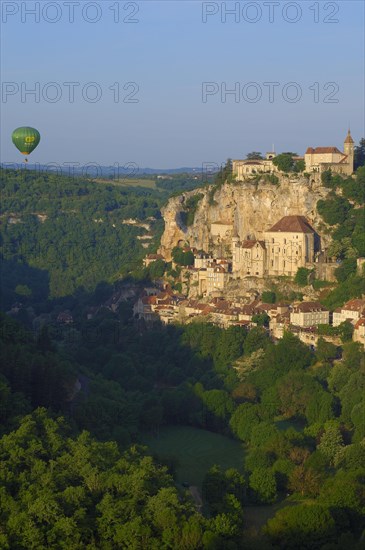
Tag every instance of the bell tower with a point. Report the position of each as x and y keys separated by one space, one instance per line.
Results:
x=348 y=149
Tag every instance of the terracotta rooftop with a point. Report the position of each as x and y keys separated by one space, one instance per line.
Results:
x=360 y=323
x=322 y=150
x=307 y=307
x=266 y=307
x=354 y=305
x=293 y=224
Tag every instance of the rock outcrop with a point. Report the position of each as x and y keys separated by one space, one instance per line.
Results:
x=250 y=207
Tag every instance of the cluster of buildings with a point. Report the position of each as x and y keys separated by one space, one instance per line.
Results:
x=289 y=244
x=318 y=159
x=302 y=318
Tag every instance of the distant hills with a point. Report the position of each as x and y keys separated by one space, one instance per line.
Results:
x=95 y=170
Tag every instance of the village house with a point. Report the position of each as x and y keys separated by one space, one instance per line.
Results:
x=217 y=278
x=143 y=308
x=320 y=159
x=248 y=257
x=166 y=313
x=247 y=311
x=243 y=168
x=309 y=314
x=192 y=308
x=279 y=324
x=359 y=331
x=351 y=311
x=224 y=317
x=201 y=260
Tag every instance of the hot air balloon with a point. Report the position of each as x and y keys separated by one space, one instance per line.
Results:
x=26 y=139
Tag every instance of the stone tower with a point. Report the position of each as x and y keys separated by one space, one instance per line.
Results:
x=348 y=149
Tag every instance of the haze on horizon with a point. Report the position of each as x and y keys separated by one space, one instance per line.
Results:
x=147 y=62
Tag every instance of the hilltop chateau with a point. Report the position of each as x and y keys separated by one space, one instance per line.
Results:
x=317 y=159
x=321 y=159
x=244 y=168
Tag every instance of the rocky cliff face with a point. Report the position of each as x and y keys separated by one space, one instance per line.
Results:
x=250 y=207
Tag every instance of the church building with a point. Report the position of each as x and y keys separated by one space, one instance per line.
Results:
x=289 y=244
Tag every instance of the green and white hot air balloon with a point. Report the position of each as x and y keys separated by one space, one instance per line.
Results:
x=26 y=139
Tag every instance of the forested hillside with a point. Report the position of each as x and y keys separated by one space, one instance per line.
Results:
x=77 y=400
x=69 y=231
x=343 y=211
x=300 y=416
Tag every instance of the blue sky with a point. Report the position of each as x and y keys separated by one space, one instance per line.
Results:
x=168 y=53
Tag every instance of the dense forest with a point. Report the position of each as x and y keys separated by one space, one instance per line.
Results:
x=343 y=211
x=69 y=231
x=299 y=414
x=77 y=398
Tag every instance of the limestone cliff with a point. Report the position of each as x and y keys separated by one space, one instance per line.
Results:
x=250 y=207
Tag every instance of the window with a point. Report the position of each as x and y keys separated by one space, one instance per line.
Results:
x=272 y=263
x=284 y=241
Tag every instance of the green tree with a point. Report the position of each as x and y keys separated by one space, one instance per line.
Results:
x=261 y=319
x=181 y=257
x=302 y=526
x=331 y=443
x=326 y=351
x=305 y=481
x=346 y=330
x=286 y=163
x=358 y=420
x=326 y=178
x=244 y=418
x=347 y=268
x=256 y=339
x=254 y=155
x=269 y=297
x=263 y=483
x=334 y=210
x=344 y=491
x=301 y=277
x=156 y=269
x=359 y=154
x=247 y=364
